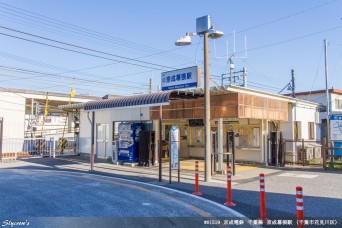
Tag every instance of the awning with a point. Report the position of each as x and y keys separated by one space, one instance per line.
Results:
x=154 y=99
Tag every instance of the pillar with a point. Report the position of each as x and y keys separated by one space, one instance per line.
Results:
x=220 y=139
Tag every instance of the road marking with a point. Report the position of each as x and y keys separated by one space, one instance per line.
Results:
x=222 y=182
x=310 y=176
x=307 y=176
x=287 y=175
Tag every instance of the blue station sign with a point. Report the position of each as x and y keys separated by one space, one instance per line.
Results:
x=181 y=78
x=336 y=127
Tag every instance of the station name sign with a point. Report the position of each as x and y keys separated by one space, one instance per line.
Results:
x=181 y=78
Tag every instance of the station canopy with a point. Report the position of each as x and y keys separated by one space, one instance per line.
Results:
x=153 y=99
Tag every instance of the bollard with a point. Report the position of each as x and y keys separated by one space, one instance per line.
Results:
x=300 y=207
x=229 y=202
x=262 y=198
x=196 y=192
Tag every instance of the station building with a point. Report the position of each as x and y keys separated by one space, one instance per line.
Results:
x=250 y=114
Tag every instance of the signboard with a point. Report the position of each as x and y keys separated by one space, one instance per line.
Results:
x=336 y=127
x=256 y=137
x=338 y=145
x=203 y=24
x=181 y=78
x=196 y=122
x=174 y=136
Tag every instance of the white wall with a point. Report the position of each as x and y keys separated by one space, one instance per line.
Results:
x=304 y=113
x=12 y=109
x=333 y=102
x=319 y=98
x=107 y=116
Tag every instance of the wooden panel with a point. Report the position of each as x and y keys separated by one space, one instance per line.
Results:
x=229 y=99
x=259 y=101
x=215 y=101
x=226 y=106
x=199 y=112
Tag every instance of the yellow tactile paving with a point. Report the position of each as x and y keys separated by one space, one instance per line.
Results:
x=190 y=165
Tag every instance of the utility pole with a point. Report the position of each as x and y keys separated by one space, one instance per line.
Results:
x=231 y=68
x=150 y=87
x=293 y=87
x=32 y=107
x=207 y=154
x=327 y=94
x=244 y=77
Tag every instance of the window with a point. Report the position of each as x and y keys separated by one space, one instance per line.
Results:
x=338 y=103
x=311 y=126
x=297 y=130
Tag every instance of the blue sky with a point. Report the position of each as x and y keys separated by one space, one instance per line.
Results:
x=281 y=35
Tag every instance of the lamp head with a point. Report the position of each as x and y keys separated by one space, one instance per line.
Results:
x=183 y=41
x=215 y=34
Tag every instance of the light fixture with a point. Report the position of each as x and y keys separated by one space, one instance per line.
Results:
x=183 y=41
x=215 y=34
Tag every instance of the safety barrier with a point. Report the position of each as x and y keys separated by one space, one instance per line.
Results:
x=196 y=192
x=262 y=219
x=300 y=207
x=65 y=146
x=262 y=198
x=229 y=188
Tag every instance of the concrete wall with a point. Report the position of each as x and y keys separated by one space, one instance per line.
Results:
x=106 y=117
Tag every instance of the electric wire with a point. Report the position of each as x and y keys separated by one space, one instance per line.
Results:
x=283 y=18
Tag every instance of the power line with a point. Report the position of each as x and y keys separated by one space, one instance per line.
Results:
x=292 y=39
x=84 y=48
x=53 y=75
x=78 y=30
x=282 y=18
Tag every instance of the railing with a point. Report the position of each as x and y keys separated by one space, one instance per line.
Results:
x=14 y=148
x=303 y=152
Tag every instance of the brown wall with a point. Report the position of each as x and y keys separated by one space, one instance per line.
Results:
x=255 y=107
x=231 y=105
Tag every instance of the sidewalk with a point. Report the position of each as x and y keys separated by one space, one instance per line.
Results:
x=244 y=173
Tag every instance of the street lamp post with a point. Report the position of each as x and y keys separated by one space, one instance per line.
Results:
x=203 y=27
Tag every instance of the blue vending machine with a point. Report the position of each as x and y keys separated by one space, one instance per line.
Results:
x=129 y=142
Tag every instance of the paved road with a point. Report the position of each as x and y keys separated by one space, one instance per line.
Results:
x=322 y=189
x=28 y=193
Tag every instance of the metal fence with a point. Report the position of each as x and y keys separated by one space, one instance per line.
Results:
x=37 y=147
x=303 y=152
